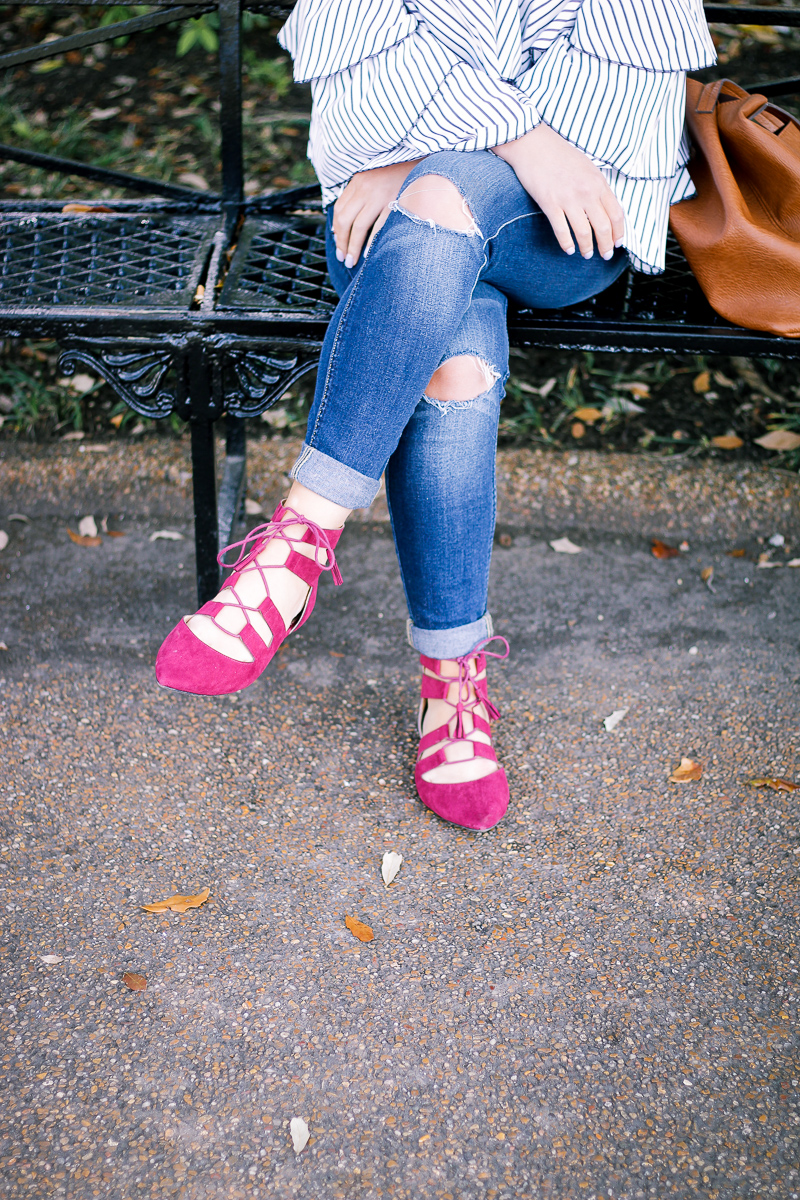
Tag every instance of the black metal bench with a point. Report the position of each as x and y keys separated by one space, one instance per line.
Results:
x=209 y=304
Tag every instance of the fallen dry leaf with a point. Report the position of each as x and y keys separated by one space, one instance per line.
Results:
x=78 y=383
x=578 y=429
x=252 y=507
x=19 y=517
x=723 y=380
x=707 y=576
x=359 y=929
x=178 y=904
x=662 y=550
x=193 y=180
x=390 y=865
x=77 y=435
x=166 y=535
x=137 y=983
x=52 y=959
x=87 y=527
x=87 y=208
x=739 y=553
x=702 y=382
x=617 y=405
x=587 y=415
x=775 y=782
x=299 y=1131
x=640 y=390
x=115 y=533
x=117 y=420
x=727 y=441
x=793 y=562
x=687 y=772
x=779 y=439
x=506 y=540
x=3 y=539
x=611 y=722
x=3 y=646
x=83 y=541
x=565 y=546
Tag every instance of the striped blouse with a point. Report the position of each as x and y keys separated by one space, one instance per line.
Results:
x=394 y=80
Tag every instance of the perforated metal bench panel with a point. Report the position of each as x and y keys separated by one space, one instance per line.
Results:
x=54 y=260
x=278 y=269
x=280 y=264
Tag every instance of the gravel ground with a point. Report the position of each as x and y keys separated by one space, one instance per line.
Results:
x=598 y=998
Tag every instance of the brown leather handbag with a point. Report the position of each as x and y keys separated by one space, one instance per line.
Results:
x=741 y=232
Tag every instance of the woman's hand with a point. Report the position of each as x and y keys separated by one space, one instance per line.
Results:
x=364 y=206
x=568 y=188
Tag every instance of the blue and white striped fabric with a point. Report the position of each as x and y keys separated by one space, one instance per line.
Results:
x=394 y=80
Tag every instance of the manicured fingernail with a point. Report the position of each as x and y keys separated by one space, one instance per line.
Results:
x=571 y=250
x=609 y=255
x=619 y=243
x=339 y=255
x=349 y=262
x=589 y=255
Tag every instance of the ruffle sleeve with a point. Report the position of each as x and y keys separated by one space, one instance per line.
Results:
x=328 y=36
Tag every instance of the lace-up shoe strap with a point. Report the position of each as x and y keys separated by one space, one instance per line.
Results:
x=443 y=739
x=248 y=634
x=304 y=567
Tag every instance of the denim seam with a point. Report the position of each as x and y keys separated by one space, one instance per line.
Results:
x=326 y=388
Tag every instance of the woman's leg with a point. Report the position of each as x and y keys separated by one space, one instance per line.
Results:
x=440 y=485
x=399 y=314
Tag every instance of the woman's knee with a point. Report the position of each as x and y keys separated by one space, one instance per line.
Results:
x=460 y=379
x=437 y=201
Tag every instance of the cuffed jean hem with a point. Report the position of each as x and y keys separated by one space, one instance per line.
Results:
x=449 y=643
x=333 y=480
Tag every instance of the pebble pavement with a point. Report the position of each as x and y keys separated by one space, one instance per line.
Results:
x=596 y=999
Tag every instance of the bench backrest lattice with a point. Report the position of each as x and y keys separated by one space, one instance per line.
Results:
x=205 y=303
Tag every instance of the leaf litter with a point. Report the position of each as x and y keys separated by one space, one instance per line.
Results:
x=660 y=549
x=81 y=539
x=166 y=535
x=565 y=546
x=136 y=983
x=687 y=772
x=300 y=1135
x=359 y=929
x=775 y=782
x=179 y=904
x=611 y=722
x=392 y=861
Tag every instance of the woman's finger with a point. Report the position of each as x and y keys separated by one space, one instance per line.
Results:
x=600 y=222
x=582 y=229
x=616 y=215
x=344 y=212
x=560 y=227
x=358 y=234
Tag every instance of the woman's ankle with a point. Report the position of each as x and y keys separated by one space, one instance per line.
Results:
x=316 y=508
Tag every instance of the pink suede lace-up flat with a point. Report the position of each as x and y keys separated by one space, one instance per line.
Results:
x=477 y=803
x=186 y=664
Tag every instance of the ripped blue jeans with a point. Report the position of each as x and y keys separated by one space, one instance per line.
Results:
x=421 y=295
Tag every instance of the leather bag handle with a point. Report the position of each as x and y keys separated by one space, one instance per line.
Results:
x=709 y=97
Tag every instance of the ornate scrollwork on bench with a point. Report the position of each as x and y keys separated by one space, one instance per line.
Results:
x=150 y=378
x=250 y=377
